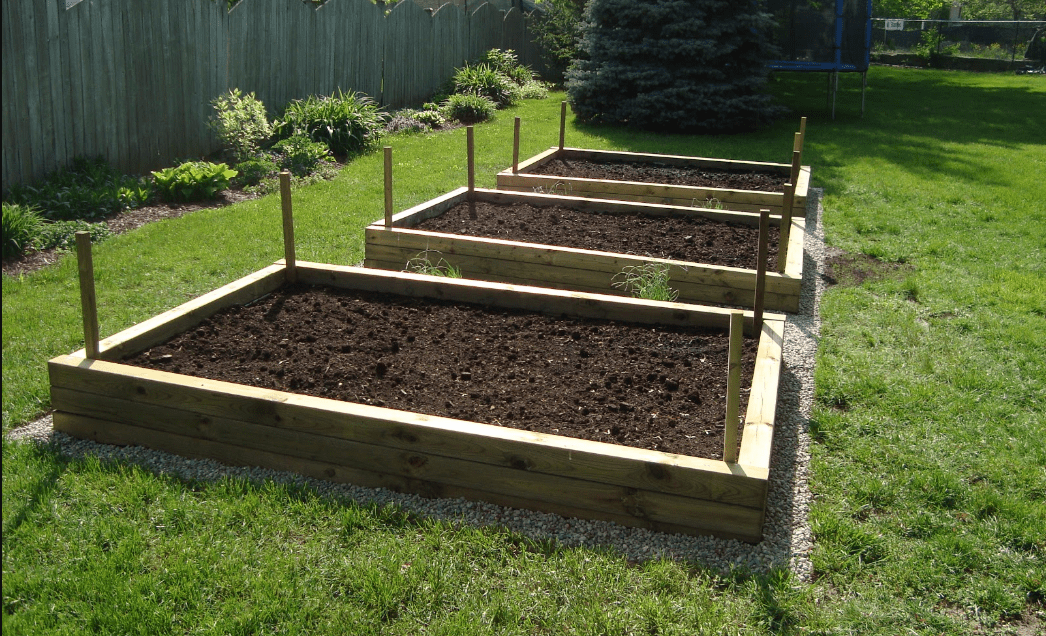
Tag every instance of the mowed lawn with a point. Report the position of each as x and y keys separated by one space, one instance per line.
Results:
x=929 y=465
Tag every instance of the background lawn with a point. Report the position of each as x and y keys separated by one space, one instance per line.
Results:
x=929 y=467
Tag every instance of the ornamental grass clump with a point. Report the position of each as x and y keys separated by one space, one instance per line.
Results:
x=648 y=281
x=469 y=109
x=21 y=227
x=422 y=264
x=349 y=123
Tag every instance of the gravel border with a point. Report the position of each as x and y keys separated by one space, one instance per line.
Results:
x=787 y=538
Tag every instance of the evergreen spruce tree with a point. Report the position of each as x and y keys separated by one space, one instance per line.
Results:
x=684 y=65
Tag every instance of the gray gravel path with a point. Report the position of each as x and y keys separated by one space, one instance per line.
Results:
x=787 y=539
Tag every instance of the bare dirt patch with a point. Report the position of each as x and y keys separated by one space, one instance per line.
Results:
x=647 y=172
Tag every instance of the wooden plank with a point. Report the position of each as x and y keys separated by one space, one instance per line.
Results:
x=195 y=402
x=170 y=323
x=414 y=463
x=758 y=435
x=577 y=186
x=567 y=257
x=747 y=529
x=549 y=301
x=733 y=387
x=692 y=283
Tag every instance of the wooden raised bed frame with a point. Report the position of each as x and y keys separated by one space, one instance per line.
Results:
x=114 y=403
x=745 y=200
x=583 y=270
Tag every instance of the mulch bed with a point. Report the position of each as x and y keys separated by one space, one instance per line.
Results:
x=690 y=239
x=646 y=172
x=659 y=388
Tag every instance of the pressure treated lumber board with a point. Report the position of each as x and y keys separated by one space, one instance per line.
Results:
x=117 y=403
x=583 y=270
x=747 y=200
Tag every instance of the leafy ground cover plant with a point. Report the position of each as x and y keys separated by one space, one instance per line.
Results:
x=422 y=264
x=86 y=189
x=252 y=171
x=301 y=155
x=241 y=124
x=193 y=181
x=348 y=123
x=469 y=109
x=648 y=281
x=21 y=228
x=62 y=234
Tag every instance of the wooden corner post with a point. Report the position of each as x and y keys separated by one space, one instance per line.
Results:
x=515 y=148
x=288 y=225
x=562 y=123
x=760 y=276
x=786 y=227
x=802 y=133
x=388 y=187
x=733 y=387
x=471 y=150
x=88 y=302
x=797 y=159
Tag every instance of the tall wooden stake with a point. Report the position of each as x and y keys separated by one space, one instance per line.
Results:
x=786 y=227
x=562 y=123
x=471 y=150
x=802 y=133
x=733 y=387
x=388 y=187
x=797 y=158
x=515 y=148
x=760 y=276
x=88 y=303
x=288 y=225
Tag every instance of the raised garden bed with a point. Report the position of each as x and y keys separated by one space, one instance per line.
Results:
x=581 y=255
x=652 y=178
x=108 y=400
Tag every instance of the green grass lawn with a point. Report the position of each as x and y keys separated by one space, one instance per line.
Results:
x=929 y=464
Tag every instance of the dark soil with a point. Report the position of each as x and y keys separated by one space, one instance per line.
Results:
x=691 y=239
x=657 y=388
x=647 y=172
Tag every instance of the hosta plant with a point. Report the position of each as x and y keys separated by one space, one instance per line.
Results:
x=193 y=181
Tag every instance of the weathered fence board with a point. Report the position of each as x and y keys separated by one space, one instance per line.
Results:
x=133 y=83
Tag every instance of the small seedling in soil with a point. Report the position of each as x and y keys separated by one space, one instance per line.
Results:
x=421 y=264
x=711 y=203
x=648 y=281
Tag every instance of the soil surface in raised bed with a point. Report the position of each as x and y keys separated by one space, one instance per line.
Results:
x=691 y=239
x=660 y=388
x=646 y=172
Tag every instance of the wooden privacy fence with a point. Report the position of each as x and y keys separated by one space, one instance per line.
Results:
x=132 y=81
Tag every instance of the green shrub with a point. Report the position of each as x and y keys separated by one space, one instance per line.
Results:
x=21 y=228
x=86 y=189
x=674 y=66
x=193 y=181
x=62 y=234
x=324 y=171
x=485 y=81
x=300 y=154
x=431 y=117
x=535 y=90
x=347 y=123
x=240 y=123
x=499 y=60
x=558 y=31
x=469 y=109
x=252 y=171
